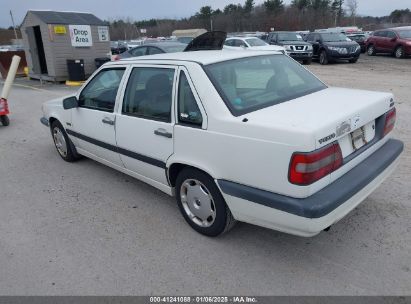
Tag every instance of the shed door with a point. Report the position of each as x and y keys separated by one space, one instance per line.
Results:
x=33 y=50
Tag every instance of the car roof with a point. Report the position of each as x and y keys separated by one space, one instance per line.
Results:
x=200 y=57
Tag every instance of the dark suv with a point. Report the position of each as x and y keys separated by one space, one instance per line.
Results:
x=329 y=47
x=396 y=41
x=294 y=45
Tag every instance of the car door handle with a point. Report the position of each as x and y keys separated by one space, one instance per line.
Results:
x=108 y=121
x=162 y=132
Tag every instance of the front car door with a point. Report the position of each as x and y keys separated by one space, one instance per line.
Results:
x=145 y=121
x=93 y=121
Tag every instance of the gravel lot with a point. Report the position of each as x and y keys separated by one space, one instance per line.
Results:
x=85 y=229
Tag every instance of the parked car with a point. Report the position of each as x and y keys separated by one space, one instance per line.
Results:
x=249 y=136
x=294 y=45
x=250 y=43
x=185 y=40
x=330 y=47
x=117 y=47
x=360 y=38
x=396 y=41
x=153 y=48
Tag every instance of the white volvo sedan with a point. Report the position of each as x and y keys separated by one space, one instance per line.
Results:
x=247 y=136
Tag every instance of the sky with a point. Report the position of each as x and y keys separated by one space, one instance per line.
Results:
x=143 y=9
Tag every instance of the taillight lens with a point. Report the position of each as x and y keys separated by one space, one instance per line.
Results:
x=390 y=118
x=307 y=168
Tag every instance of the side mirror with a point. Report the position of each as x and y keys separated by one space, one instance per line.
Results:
x=394 y=39
x=70 y=103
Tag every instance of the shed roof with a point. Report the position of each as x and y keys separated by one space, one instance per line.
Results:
x=75 y=18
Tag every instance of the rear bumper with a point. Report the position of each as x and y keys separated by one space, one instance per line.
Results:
x=309 y=216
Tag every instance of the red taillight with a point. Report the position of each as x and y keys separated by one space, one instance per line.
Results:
x=307 y=168
x=390 y=118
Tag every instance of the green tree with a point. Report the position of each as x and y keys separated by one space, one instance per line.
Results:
x=338 y=11
x=248 y=6
x=205 y=12
x=272 y=6
x=232 y=9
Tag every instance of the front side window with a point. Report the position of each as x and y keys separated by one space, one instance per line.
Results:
x=253 y=83
x=391 y=35
x=188 y=111
x=149 y=93
x=100 y=93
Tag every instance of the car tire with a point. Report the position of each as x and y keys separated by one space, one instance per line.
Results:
x=62 y=142
x=5 y=121
x=353 y=60
x=399 y=52
x=307 y=61
x=371 y=50
x=323 y=57
x=201 y=203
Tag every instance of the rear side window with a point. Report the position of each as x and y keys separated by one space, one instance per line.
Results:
x=140 y=51
x=391 y=35
x=149 y=93
x=253 y=83
x=188 y=111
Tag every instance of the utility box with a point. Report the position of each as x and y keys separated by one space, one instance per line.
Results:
x=51 y=38
x=75 y=70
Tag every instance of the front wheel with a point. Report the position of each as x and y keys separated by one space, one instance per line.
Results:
x=399 y=52
x=371 y=50
x=202 y=204
x=62 y=142
x=323 y=57
x=5 y=121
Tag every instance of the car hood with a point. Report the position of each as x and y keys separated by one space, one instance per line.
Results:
x=266 y=48
x=341 y=43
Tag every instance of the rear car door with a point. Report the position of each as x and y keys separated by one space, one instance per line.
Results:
x=93 y=121
x=145 y=122
x=390 y=41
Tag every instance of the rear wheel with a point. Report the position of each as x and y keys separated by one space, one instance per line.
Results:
x=5 y=121
x=399 y=52
x=323 y=57
x=202 y=204
x=371 y=50
x=62 y=142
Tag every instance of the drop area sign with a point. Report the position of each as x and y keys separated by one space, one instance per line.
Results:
x=80 y=35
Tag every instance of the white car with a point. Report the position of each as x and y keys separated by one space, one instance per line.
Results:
x=250 y=43
x=248 y=136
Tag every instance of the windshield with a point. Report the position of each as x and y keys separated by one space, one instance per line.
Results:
x=173 y=48
x=255 y=42
x=334 y=37
x=253 y=83
x=405 y=34
x=289 y=37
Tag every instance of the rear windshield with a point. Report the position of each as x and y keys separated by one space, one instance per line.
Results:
x=405 y=34
x=173 y=48
x=252 y=83
x=289 y=37
x=255 y=42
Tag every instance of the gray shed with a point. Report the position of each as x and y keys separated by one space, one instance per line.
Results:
x=51 y=38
